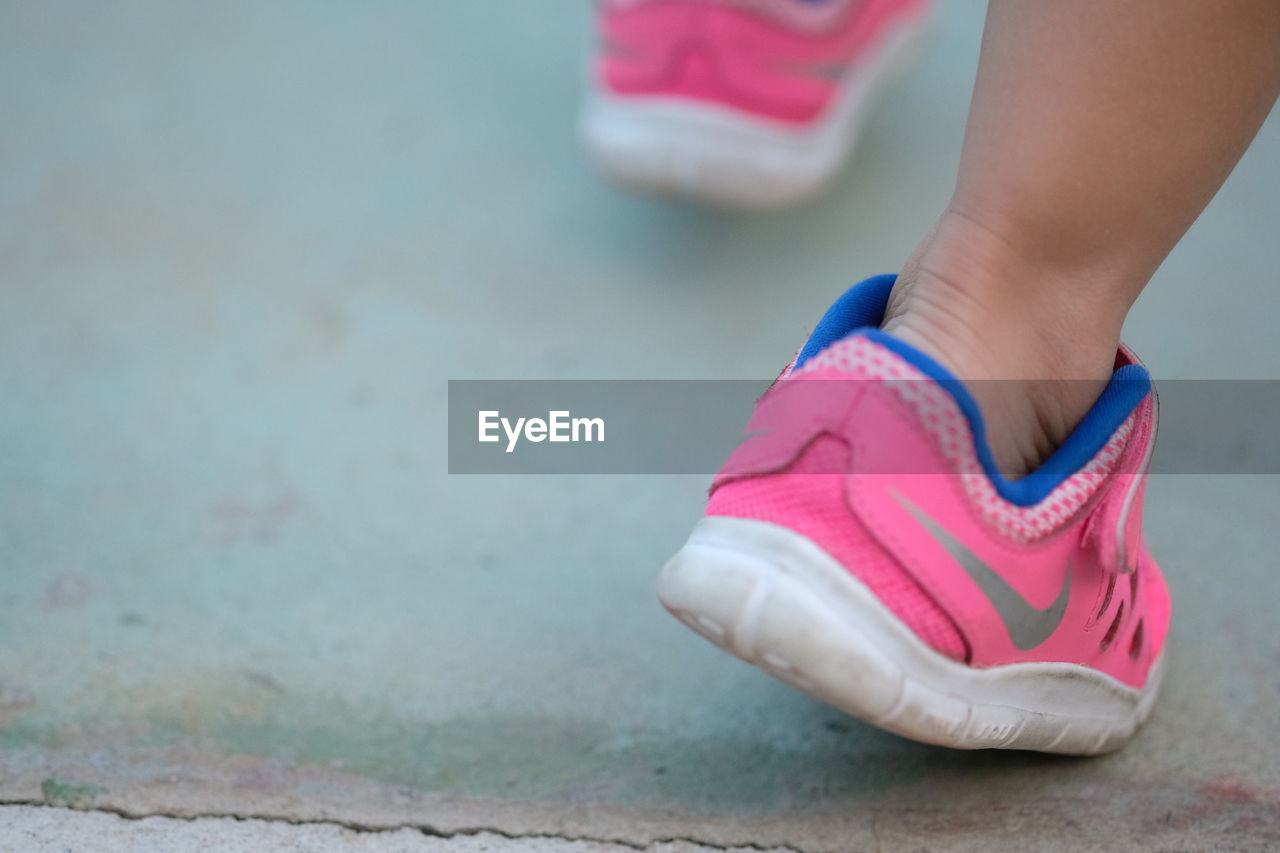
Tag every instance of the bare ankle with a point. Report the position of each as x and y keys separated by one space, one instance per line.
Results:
x=1034 y=345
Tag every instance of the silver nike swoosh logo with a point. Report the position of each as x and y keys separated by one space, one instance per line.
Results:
x=1028 y=626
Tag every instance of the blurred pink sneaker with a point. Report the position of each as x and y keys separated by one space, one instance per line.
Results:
x=742 y=103
x=861 y=546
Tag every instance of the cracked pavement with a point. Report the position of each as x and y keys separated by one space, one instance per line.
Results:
x=243 y=246
x=33 y=829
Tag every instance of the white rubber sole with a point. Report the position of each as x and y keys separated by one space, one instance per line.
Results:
x=778 y=601
x=726 y=158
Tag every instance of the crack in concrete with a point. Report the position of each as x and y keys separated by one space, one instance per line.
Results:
x=425 y=829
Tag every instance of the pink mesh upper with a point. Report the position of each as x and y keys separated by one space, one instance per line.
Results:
x=939 y=413
x=813 y=505
x=801 y=473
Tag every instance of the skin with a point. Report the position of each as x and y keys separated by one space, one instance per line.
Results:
x=1098 y=132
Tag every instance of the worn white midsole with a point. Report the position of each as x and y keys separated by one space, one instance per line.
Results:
x=775 y=599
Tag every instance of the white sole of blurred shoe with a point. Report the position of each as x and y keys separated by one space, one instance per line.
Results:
x=776 y=600
x=727 y=158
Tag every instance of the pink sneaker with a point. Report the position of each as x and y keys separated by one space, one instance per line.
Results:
x=744 y=103
x=861 y=546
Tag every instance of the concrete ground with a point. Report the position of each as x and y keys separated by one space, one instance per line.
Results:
x=32 y=829
x=243 y=246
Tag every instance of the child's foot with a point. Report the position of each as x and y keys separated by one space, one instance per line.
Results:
x=744 y=104
x=862 y=547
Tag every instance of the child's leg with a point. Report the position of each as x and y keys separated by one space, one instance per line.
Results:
x=1098 y=132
